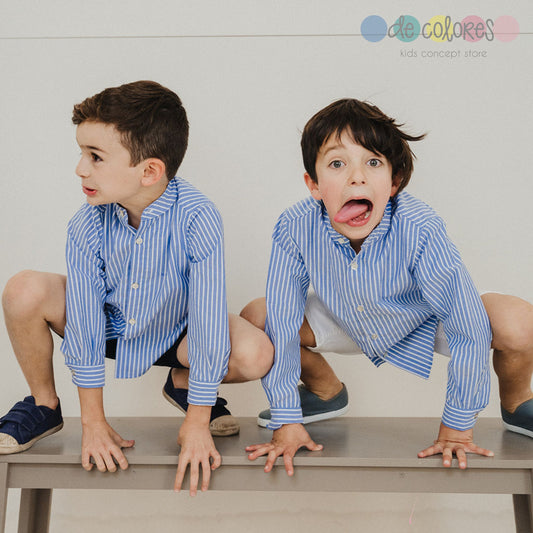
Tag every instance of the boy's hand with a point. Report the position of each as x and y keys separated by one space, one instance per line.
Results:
x=101 y=442
x=452 y=441
x=197 y=448
x=286 y=441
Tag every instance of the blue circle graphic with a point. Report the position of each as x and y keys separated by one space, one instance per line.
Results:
x=374 y=28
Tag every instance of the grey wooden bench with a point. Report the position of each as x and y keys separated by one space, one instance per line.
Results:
x=360 y=455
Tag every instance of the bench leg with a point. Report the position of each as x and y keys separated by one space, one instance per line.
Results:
x=523 y=513
x=34 y=514
x=3 y=496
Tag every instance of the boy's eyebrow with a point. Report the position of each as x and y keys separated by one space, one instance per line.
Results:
x=90 y=147
x=333 y=147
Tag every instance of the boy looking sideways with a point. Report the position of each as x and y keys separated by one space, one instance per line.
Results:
x=386 y=281
x=145 y=285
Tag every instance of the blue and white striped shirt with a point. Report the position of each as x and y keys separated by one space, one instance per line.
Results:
x=145 y=286
x=389 y=298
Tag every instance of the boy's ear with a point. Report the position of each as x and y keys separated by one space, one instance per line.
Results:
x=396 y=182
x=154 y=170
x=312 y=186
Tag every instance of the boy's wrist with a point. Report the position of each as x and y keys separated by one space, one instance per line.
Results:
x=91 y=406
x=199 y=414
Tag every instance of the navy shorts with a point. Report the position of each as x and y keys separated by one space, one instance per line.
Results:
x=168 y=359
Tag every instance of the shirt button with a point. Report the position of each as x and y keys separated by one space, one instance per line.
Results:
x=354 y=265
x=139 y=240
x=374 y=336
x=132 y=322
x=134 y=285
x=360 y=308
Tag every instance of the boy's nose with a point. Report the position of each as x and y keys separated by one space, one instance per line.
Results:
x=81 y=169
x=357 y=177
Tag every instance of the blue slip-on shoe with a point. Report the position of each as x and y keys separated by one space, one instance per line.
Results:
x=314 y=408
x=26 y=423
x=521 y=421
x=223 y=423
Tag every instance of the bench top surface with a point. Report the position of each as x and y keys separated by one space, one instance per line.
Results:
x=370 y=442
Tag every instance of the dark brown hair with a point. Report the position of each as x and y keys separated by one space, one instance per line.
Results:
x=150 y=118
x=369 y=127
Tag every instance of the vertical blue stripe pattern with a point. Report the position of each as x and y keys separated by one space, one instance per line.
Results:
x=388 y=298
x=145 y=286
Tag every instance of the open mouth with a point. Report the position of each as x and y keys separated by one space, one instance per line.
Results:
x=354 y=212
x=88 y=191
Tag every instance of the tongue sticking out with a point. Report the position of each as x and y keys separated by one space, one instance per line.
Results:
x=352 y=210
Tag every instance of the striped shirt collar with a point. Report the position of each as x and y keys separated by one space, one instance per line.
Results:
x=158 y=207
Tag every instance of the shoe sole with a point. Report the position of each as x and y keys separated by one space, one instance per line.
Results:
x=232 y=428
x=6 y=450
x=518 y=429
x=263 y=422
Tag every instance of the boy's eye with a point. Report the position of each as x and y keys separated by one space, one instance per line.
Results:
x=336 y=164
x=374 y=162
x=95 y=157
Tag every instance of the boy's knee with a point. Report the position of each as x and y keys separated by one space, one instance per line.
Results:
x=253 y=358
x=255 y=312
x=511 y=320
x=24 y=293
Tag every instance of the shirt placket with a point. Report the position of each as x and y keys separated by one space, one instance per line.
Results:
x=135 y=288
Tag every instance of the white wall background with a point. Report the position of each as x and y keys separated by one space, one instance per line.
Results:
x=250 y=74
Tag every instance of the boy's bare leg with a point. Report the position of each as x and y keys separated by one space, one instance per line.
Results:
x=251 y=355
x=511 y=320
x=316 y=374
x=34 y=304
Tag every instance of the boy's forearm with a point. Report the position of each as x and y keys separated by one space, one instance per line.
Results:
x=91 y=405
x=199 y=414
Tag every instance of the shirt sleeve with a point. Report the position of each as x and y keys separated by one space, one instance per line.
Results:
x=448 y=288
x=208 y=341
x=286 y=293
x=84 y=340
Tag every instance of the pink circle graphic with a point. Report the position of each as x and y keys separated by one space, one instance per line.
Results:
x=506 y=28
x=474 y=28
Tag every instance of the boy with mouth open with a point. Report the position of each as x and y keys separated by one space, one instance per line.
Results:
x=145 y=286
x=362 y=267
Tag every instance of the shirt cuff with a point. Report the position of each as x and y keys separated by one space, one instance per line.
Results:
x=201 y=393
x=88 y=377
x=284 y=416
x=460 y=419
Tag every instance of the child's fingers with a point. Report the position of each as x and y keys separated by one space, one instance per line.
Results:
x=473 y=448
x=431 y=450
x=100 y=464
x=461 y=458
x=86 y=460
x=109 y=462
x=194 y=470
x=287 y=459
x=255 y=447
x=447 y=456
x=120 y=458
x=206 y=475
x=180 y=473
x=313 y=446
x=217 y=460
x=271 y=459
x=258 y=450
